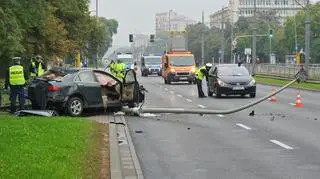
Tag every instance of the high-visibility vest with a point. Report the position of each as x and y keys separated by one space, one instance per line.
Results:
x=40 y=70
x=32 y=73
x=16 y=75
x=120 y=70
x=199 y=74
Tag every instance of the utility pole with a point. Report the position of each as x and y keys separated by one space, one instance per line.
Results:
x=222 y=37
x=254 y=37
x=202 y=41
x=307 y=38
x=97 y=55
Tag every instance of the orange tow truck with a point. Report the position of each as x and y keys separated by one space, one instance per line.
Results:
x=178 y=65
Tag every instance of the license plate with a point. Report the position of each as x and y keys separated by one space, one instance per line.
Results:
x=183 y=78
x=238 y=88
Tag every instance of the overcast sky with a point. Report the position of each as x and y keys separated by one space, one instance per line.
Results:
x=138 y=16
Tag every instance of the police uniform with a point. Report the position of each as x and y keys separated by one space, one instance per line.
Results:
x=37 y=67
x=120 y=69
x=202 y=73
x=16 y=79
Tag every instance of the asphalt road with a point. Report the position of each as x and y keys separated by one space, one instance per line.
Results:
x=280 y=141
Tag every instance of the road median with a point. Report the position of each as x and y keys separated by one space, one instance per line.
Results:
x=311 y=86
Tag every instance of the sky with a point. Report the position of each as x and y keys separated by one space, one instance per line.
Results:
x=138 y=16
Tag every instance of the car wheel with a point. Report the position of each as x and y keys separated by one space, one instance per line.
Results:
x=75 y=106
x=252 y=95
x=218 y=93
x=190 y=82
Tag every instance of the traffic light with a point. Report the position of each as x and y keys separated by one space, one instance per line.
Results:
x=270 y=33
x=130 y=37
x=152 y=38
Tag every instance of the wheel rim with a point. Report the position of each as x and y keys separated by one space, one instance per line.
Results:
x=76 y=107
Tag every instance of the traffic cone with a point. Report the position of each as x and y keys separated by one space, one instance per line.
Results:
x=273 y=97
x=298 y=101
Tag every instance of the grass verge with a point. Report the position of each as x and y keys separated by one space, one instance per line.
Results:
x=281 y=82
x=37 y=147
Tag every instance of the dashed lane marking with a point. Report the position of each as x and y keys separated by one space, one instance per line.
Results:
x=172 y=92
x=220 y=115
x=244 y=126
x=179 y=95
x=201 y=106
x=189 y=100
x=166 y=89
x=281 y=144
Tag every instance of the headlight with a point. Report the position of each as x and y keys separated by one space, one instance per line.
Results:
x=221 y=83
x=253 y=82
x=193 y=70
x=172 y=70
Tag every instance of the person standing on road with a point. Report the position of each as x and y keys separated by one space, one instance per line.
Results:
x=16 y=78
x=200 y=74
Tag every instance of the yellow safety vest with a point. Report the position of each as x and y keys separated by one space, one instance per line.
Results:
x=16 y=75
x=120 y=69
x=40 y=70
x=199 y=74
x=32 y=74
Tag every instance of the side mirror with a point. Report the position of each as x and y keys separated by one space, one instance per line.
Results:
x=166 y=65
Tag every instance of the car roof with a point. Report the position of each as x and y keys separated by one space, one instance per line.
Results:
x=228 y=65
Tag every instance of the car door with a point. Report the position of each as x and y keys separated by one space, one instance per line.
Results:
x=130 y=88
x=89 y=88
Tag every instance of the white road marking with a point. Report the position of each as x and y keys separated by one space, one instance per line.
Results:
x=244 y=126
x=166 y=89
x=281 y=144
x=172 y=92
x=292 y=104
x=220 y=115
x=201 y=106
x=179 y=95
x=148 y=115
x=189 y=100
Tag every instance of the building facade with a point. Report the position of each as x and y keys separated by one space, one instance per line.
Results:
x=279 y=10
x=172 y=21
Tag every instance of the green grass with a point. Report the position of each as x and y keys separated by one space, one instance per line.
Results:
x=282 y=82
x=38 y=147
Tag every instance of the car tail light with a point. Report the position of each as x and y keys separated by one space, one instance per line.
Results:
x=53 y=88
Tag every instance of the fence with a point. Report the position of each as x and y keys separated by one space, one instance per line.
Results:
x=285 y=70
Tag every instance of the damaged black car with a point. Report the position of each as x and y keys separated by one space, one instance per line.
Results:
x=72 y=91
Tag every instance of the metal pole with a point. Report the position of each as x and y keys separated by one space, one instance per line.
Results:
x=307 y=38
x=222 y=37
x=231 y=54
x=254 y=38
x=270 y=50
x=202 y=41
x=295 y=35
x=97 y=55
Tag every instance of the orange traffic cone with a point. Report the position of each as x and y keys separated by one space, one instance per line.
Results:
x=298 y=101
x=273 y=97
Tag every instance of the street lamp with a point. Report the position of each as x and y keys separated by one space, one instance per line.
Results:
x=97 y=55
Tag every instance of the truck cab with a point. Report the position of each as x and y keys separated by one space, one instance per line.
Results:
x=178 y=65
x=151 y=65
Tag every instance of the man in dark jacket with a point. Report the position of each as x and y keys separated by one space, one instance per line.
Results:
x=16 y=78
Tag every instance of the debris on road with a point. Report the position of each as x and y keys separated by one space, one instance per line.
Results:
x=139 y=132
x=46 y=113
x=252 y=113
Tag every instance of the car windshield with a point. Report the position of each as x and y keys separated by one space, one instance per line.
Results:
x=233 y=71
x=181 y=60
x=126 y=60
x=152 y=60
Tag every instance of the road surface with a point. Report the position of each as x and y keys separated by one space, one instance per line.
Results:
x=280 y=141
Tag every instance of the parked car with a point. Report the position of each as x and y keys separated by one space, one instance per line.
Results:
x=73 y=90
x=231 y=79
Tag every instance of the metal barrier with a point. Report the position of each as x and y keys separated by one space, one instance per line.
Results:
x=285 y=70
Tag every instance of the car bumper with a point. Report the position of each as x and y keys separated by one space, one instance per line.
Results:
x=231 y=91
x=152 y=71
x=176 y=78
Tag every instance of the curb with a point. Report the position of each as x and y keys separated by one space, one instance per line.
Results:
x=115 y=162
x=124 y=162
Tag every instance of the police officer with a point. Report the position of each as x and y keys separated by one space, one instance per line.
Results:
x=112 y=66
x=37 y=67
x=120 y=69
x=200 y=74
x=16 y=79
